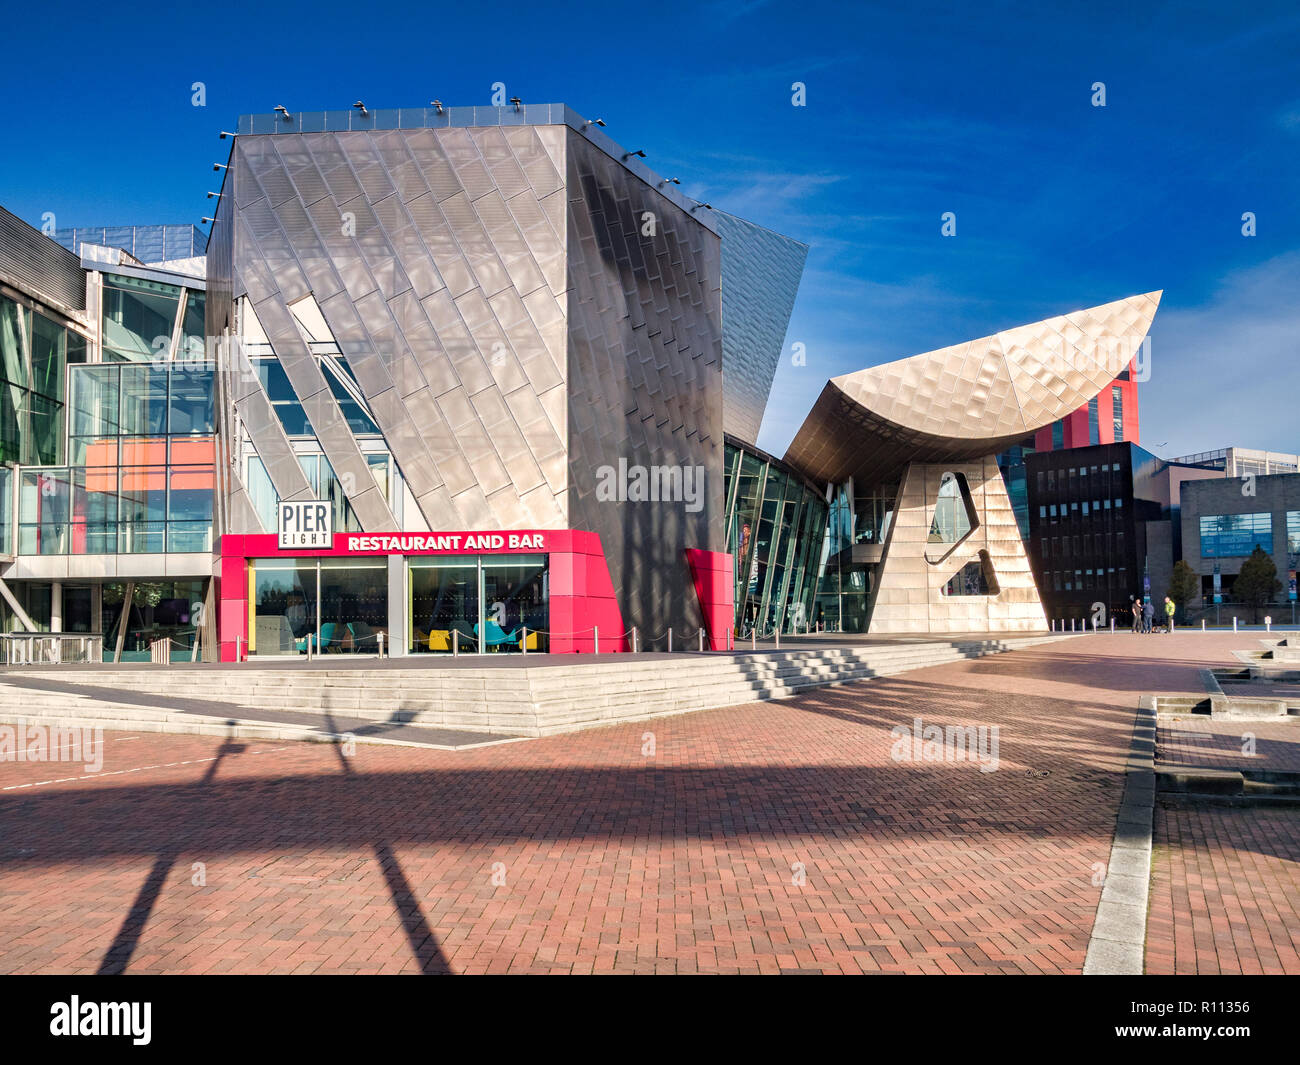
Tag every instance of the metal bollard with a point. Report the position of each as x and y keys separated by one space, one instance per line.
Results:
x=239 y=648
x=1072 y=624
x=701 y=641
x=379 y=640
x=524 y=642
x=1234 y=622
x=635 y=647
x=309 y=635
x=776 y=635
x=753 y=639
x=1112 y=626
x=455 y=643
x=595 y=639
x=1202 y=624
x=670 y=639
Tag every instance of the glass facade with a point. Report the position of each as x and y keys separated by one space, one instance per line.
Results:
x=1117 y=412
x=157 y=609
x=157 y=497
x=476 y=603
x=342 y=603
x=776 y=525
x=34 y=351
x=139 y=318
x=142 y=472
x=1236 y=535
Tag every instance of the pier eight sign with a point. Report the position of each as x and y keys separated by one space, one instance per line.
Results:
x=305 y=523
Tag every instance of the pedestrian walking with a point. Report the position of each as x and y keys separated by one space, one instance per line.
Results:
x=1169 y=613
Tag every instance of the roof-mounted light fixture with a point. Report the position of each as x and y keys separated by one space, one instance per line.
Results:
x=706 y=206
x=436 y=104
x=640 y=152
x=212 y=194
x=284 y=111
x=220 y=166
x=362 y=108
x=223 y=134
x=205 y=219
x=671 y=181
x=516 y=101
x=592 y=122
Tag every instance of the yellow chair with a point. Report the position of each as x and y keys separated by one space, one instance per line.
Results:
x=532 y=642
x=440 y=640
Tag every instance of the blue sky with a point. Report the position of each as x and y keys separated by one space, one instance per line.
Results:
x=912 y=110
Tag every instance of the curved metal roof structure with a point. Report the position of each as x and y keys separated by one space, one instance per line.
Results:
x=968 y=400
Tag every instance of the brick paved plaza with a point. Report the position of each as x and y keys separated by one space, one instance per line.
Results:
x=762 y=838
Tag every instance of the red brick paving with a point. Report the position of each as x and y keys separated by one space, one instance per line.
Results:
x=1225 y=891
x=1225 y=881
x=608 y=859
x=1198 y=741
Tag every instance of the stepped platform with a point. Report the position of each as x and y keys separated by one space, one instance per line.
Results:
x=457 y=702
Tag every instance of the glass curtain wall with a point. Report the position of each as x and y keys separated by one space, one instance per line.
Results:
x=34 y=350
x=776 y=523
x=142 y=478
x=478 y=604
x=156 y=609
x=342 y=603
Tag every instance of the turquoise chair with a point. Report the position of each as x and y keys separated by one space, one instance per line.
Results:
x=496 y=636
x=327 y=640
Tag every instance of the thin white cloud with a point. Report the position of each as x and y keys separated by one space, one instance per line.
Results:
x=1227 y=373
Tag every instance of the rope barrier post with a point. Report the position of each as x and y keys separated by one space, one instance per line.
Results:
x=670 y=639
x=1234 y=622
x=239 y=648
x=380 y=641
x=455 y=643
x=1202 y=624
x=753 y=638
x=776 y=635
x=595 y=639
x=1112 y=626
x=524 y=642
x=701 y=640
x=634 y=639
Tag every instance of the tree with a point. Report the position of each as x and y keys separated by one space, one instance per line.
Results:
x=1184 y=586
x=1257 y=583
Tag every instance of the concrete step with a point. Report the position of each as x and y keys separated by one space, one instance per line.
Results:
x=530 y=701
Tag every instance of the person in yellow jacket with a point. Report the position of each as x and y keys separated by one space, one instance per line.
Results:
x=1169 y=613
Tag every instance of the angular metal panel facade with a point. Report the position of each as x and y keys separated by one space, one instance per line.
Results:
x=515 y=335
x=645 y=382
x=36 y=264
x=760 y=276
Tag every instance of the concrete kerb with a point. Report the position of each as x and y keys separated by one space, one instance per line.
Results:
x=1118 y=942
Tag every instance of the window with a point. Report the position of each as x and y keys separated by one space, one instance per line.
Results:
x=1058 y=435
x=1117 y=412
x=139 y=318
x=1293 y=531
x=974 y=578
x=1094 y=433
x=33 y=354
x=1235 y=535
x=953 y=511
